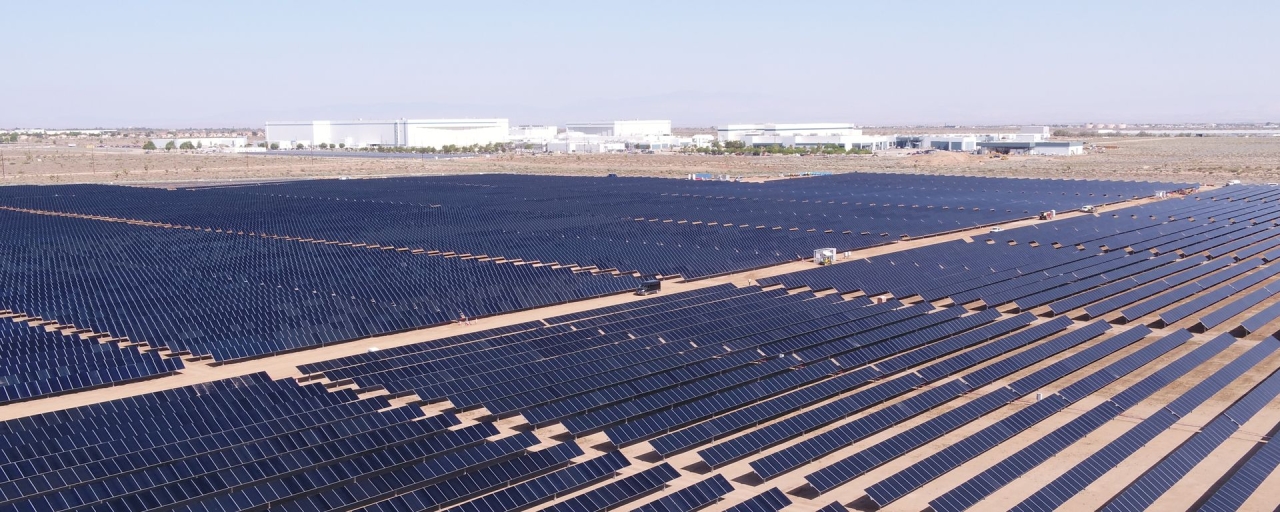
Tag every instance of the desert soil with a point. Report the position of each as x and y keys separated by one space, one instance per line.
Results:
x=1199 y=160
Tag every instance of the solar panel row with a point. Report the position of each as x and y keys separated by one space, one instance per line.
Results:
x=763 y=437
x=1245 y=481
x=690 y=498
x=998 y=475
x=771 y=500
x=233 y=297
x=904 y=482
x=1143 y=492
x=532 y=492
x=38 y=362
x=619 y=491
x=822 y=444
x=835 y=474
x=1061 y=489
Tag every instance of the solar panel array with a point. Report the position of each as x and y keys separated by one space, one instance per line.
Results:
x=663 y=403
x=233 y=297
x=39 y=362
x=632 y=224
x=840 y=360
x=320 y=262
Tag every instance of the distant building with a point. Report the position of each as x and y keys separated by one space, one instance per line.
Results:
x=1058 y=148
x=949 y=142
x=845 y=135
x=203 y=142
x=736 y=132
x=435 y=133
x=532 y=134
x=1052 y=148
x=350 y=134
x=1034 y=133
x=623 y=130
x=585 y=146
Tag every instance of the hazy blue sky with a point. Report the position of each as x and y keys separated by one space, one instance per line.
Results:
x=177 y=64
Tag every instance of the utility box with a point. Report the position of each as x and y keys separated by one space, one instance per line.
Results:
x=825 y=256
x=648 y=286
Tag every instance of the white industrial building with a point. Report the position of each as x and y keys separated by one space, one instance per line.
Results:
x=422 y=133
x=531 y=134
x=204 y=142
x=845 y=135
x=624 y=130
x=436 y=133
x=1058 y=148
x=1044 y=147
x=1034 y=133
x=737 y=132
x=702 y=140
x=350 y=134
x=585 y=146
x=949 y=142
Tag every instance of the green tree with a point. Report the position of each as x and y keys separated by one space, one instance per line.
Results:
x=342 y=145
x=299 y=146
x=149 y=146
x=187 y=145
x=199 y=144
x=324 y=145
x=275 y=145
x=170 y=146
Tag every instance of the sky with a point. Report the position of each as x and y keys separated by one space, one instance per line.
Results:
x=85 y=64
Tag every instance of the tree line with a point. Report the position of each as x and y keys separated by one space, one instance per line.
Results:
x=171 y=145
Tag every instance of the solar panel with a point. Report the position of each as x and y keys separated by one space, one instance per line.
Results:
x=1233 y=308
x=822 y=444
x=1080 y=475
x=1001 y=473
x=693 y=497
x=1245 y=481
x=1141 y=493
x=619 y=491
x=547 y=486
x=836 y=474
x=771 y=500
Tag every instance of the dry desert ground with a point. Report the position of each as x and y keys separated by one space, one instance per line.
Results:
x=1185 y=159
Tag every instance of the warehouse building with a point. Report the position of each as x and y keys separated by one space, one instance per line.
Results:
x=437 y=133
x=1056 y=148
x=434 y=133
x=1049 y=148
x=623 y=130
x=1034 y=133
x=845 y=135
x=532 y=134
x=585 y=146
x=949 y=142
x=738 y=132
